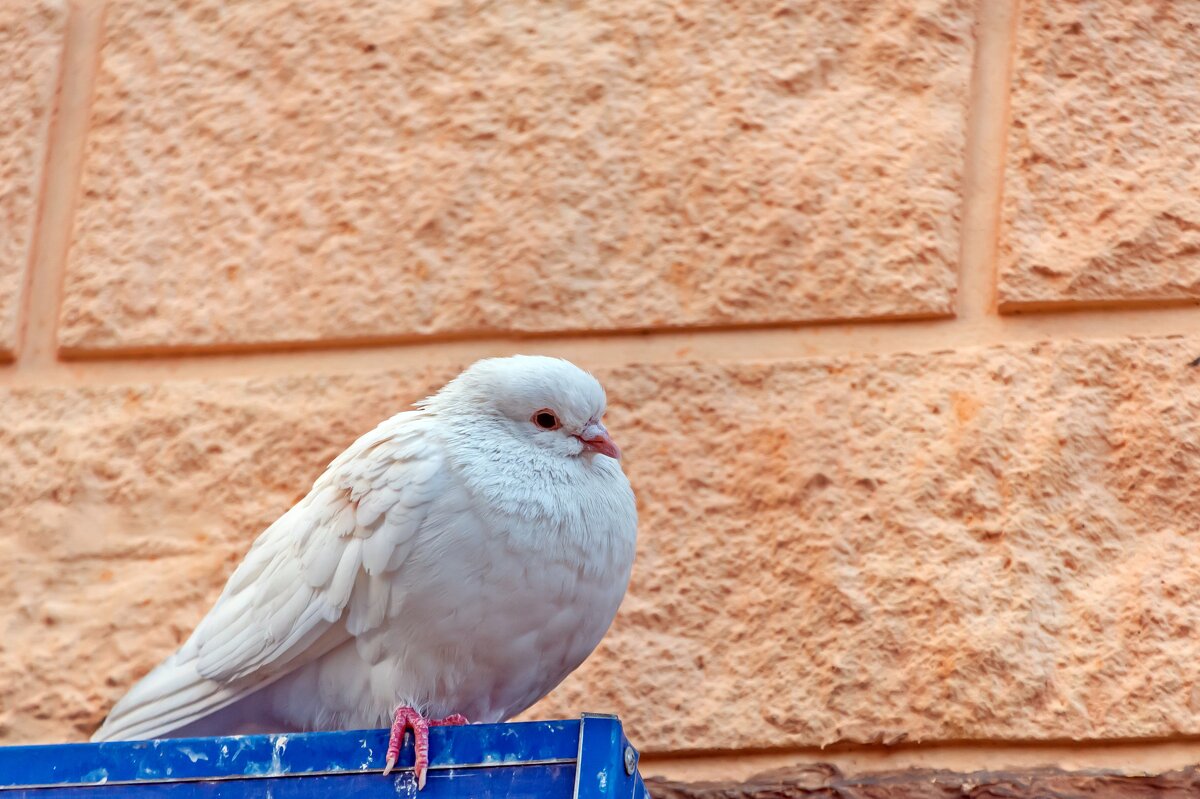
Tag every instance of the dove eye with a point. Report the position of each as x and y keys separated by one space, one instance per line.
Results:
x=546 y=419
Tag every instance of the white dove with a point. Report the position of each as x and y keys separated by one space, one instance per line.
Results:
x=457 y=562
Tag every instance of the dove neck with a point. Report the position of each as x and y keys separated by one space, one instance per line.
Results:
x=503 y=467
x=561 y=504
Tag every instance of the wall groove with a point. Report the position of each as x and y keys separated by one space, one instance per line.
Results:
x=64 y=153
x=983 y=179
x=854 y=339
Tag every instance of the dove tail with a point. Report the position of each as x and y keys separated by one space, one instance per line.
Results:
x=169 y=698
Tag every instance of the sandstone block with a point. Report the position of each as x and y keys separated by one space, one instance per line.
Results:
x=400 y=169
x=986 y=544
x=31 y=40
x=1104 y=162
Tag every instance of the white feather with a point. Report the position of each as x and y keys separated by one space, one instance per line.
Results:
x=456 y=559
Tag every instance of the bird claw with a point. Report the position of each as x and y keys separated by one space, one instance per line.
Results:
x=408 y=718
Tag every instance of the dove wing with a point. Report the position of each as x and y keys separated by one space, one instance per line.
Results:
x=320 y=574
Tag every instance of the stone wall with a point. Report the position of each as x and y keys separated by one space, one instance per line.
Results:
x=894 y=303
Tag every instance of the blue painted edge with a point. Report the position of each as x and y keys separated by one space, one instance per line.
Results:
x=298 y=754
x=601 y=771
x=500 y=782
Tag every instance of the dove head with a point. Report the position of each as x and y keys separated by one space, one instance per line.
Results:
x=548 y=403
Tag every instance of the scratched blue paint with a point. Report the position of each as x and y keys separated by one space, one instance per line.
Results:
x=600 y=766
x=483 y=760
x=501 y=782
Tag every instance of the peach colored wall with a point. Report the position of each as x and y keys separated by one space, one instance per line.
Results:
x=901 y=373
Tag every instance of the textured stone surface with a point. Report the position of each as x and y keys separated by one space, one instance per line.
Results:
x=429 y=167
x=820 y=781
x=30 y=41
x=1103 y=183
x=988 y=544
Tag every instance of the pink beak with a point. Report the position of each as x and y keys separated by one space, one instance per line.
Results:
x=596 y=439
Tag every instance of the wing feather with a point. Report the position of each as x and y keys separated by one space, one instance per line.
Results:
x=318 y=575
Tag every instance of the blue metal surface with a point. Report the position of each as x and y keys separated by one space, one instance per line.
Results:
x=502 y=782
x=585 y=758
x=600 y=768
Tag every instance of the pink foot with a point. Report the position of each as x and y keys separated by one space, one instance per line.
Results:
x=407 y=717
